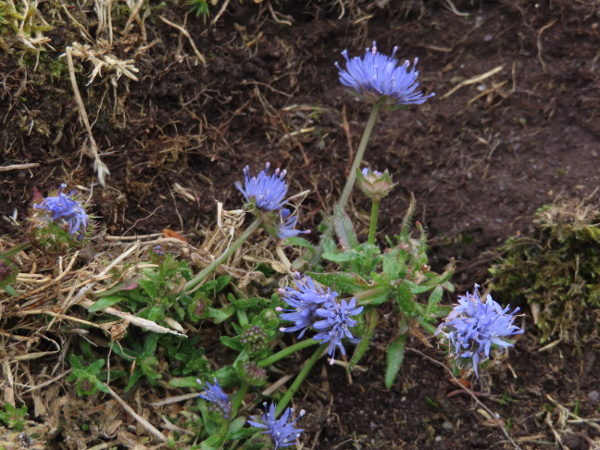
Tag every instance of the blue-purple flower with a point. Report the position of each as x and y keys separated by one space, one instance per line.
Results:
x=281 y=430
x=213 y=394
x=65 y=208
x=266 y=192
x=286 y=228
x=305 y=300
x=377 y=76
x=336 y=324
x=475 y=327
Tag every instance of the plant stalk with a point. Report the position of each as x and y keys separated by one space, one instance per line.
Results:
x=299 y=379
x=286 y=352
x=223 y=256
x=237 y=400
x=360 y=153
x=373 y=223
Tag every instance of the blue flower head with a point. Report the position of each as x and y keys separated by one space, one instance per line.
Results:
x=267 y=192
x=336 y=324
x=475 y=327
x=305 y=300
x=286 y=228
x=281 y=430
x=376 y=76
x=219 y=401
x=65 y=208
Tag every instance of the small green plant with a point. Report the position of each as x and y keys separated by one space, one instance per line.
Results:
x=556 y=269
x=12 y=417
x=200 y=8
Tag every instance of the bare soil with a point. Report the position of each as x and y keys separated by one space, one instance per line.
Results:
x=513 y=125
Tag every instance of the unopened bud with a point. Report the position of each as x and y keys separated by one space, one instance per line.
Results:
x=255 y=340
x=253 y=374
x=374 y=184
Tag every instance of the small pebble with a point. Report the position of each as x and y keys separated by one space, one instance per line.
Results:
x=594 y=396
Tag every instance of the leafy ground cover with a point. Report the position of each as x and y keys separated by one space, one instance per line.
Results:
x=175 y=106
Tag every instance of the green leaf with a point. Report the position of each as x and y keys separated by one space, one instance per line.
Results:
x=395 y=355
x=300 y=242
x=102 y=387
x=220 y=315
x=345 y=232
x=149 y=286
x=186 y=382
x=105 y=302
x=10 y=290
x=340 y=257
x=372 y=320
x=343 y=282
x=231 y=343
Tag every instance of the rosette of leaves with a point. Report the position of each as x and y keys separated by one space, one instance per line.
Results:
x=555 y=268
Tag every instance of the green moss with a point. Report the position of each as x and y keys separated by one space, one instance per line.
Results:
x=556 y=269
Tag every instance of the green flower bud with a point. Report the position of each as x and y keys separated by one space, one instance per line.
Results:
x=252 y=374
x=374 y=184
x=255 y=340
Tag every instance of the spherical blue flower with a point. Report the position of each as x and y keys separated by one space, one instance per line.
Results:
x=66 y=208
x=267 y=192
x=476 y=327
x=219 y=401
x=376 y=76
x=336 y=324
x=288 y=222
x=305 y=300
x=282 y=431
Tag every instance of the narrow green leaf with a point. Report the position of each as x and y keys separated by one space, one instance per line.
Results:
x=105 y=302
x=395 y=356
x=231 y=343
x=372 y=320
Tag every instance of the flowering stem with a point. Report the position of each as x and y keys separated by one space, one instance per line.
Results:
x=299 y=379
x=237 y=400
x=286 y=352
x=360 y=153
x=373 y=224
x=223 y=256
x=16 y=249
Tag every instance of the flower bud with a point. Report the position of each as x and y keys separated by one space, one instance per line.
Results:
x=255 y=340
x=374 y=184
x=252 y=374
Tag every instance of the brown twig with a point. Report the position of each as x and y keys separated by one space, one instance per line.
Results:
x=183 y=31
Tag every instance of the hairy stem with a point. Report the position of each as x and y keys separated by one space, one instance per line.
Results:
x=374 y=216
x=360 y=153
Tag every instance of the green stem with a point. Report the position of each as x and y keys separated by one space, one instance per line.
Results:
x=223 y=256
x=237 y=400
x=16 y=249
x=299 y=379
x=341 y=205
x=373 y=224
x=360 y=153
x=286 y=352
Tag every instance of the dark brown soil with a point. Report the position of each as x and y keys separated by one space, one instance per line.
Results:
x=479 y=159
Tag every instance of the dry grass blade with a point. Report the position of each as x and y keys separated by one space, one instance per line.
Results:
x=476 y=79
